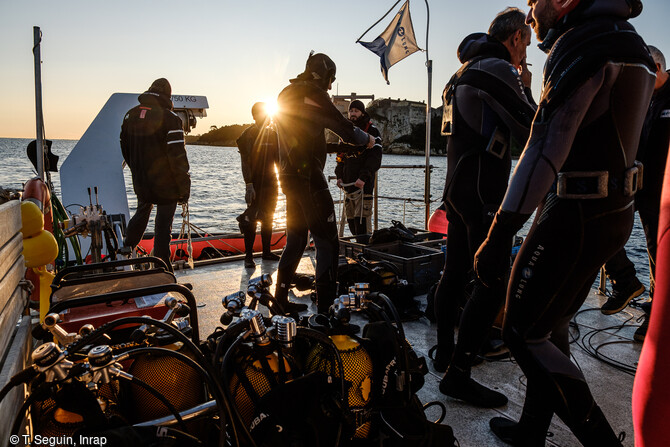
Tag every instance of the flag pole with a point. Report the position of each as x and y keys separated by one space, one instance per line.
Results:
x=429 y=69
x=39 y=119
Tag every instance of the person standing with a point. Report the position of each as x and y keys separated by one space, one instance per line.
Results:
x=259 y=154
x=579 y=167
x=355 y=172
x=653 y=153
x=488 y=111
x=152 y=144
x=305 y=111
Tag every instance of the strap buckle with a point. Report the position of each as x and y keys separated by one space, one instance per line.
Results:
x=632 y=180
x=582 y=184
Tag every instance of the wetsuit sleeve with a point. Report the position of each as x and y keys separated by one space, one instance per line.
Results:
x=176 y=154
x=334 y=120
x=550 y=141
x=244 y=147
x=373 y=157
x=507 y=98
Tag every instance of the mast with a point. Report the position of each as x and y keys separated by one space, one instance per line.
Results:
x=429 y=69
x=39 y=119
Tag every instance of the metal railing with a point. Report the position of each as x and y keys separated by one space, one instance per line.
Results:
x=376 y=195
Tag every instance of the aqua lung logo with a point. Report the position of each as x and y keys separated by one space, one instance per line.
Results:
x=403 y=39
x=527 y=272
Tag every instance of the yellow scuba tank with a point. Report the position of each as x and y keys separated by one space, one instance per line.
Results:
x=357 y=371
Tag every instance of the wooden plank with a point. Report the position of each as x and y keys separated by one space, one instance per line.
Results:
x=9 y=253
x=9 y=317
x=10 y=216
x=17 y=359
x=10 y=281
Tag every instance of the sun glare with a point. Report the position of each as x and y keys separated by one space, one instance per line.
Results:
x=271 y=106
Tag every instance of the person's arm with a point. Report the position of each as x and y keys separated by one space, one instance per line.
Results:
x=176 y=154
x=498 y=84
x=372 y=157
x=334 y=120
x=245 y=146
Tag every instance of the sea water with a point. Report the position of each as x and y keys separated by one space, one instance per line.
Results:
x=217 y=190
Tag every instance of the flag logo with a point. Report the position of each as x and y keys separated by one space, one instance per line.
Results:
x=396 y=42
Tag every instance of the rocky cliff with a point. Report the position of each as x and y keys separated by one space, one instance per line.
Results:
x=402 y=124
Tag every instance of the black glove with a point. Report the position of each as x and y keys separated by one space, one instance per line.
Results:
x=250 y=194
x=492 y=258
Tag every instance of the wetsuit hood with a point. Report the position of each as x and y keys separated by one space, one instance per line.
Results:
x=590 y=9
x=481 y=45
x=151 y=98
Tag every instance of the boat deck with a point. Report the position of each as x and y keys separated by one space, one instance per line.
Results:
x=611 y=387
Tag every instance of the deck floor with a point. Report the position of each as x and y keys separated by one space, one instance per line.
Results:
x=611 y=387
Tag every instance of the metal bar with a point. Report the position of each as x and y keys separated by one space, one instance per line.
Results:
x=39 y=124
x=186 y=415
x=429 y=69
x=376 y=201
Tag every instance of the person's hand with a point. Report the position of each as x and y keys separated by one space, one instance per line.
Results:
x=250 y=194
x=371 y=142
x=492 y=260
x=339 y=183
x=526 y=75
x=359 y=184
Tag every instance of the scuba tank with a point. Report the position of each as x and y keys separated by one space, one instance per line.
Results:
x=357 y=374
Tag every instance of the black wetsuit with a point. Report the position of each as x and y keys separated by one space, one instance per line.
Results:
x=259 y=153
x=490 y=105
x=362 y=164
x=152 y=143
x=597 y=84
x=305 y=112
x=653 y=153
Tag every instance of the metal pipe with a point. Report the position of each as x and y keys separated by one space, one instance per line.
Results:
x=39 y=124
x=429 y=69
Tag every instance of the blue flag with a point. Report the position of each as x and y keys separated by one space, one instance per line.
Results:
x=396 y=42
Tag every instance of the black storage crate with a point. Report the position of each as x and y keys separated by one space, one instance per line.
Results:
x=350 y=248
x=418 y=265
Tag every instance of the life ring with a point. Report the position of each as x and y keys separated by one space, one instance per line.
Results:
x=36 y=191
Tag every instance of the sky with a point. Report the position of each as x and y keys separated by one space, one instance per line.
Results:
x=235 y=53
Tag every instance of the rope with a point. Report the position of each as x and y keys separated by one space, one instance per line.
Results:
x=353 y=196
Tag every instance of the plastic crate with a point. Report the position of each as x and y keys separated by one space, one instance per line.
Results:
x=350 y=248
x=418 y=265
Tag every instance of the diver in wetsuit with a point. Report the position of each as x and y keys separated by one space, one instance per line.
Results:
x=305 y=111
x=653 y=153
x=578 y=166
x=357 y=171
x=258 y=153
x=490 y=111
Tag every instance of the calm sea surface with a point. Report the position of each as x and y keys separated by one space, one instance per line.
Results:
x=217 y=191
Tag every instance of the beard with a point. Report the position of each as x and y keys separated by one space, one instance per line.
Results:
x=549 y=18
x=360 y=121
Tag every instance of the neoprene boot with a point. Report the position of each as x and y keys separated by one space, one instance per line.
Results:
x=325 y=296
x=595 y=431
x=458 y=384
x=249 y=238
x=532 y=428
x=281 y=293
x=530 y=431
x=266 y=238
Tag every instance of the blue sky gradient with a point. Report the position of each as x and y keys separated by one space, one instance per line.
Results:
x=235 y=53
